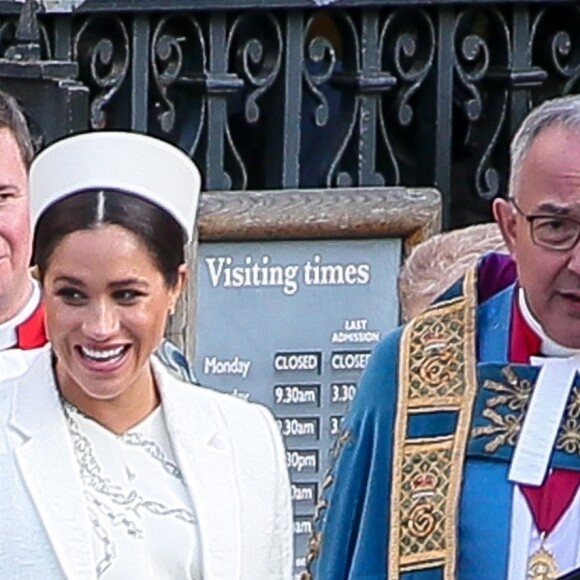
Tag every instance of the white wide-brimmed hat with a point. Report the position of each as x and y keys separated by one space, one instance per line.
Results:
x=130 y=162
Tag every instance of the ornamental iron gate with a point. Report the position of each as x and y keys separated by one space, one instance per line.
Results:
x=301 y=94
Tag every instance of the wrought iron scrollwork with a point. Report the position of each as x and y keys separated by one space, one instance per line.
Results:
x=555 y=47
x=254 y=51
x=471 y=66
x=407 y=48
x=411 y=54
x=331 y=64
x=481 y=98
x=343 y=69
x=308 y=95
x=101 y=48
x=179 y=62
x=319 y=67
x=255 y=43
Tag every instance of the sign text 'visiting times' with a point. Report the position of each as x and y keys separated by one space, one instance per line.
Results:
x=291 y=325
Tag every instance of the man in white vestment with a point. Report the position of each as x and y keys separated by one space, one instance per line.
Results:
x=21 y=320
x=21 y=310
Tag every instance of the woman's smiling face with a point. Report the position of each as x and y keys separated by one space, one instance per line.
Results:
x=106 y=308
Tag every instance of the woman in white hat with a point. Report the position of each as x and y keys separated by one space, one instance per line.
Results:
x=110 y=467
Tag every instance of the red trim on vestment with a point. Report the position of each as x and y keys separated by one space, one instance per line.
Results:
x=32 y=332
x=524 y=342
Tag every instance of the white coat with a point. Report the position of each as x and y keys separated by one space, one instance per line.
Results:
x=229 y=451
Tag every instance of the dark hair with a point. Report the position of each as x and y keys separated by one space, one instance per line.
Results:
x=156 y=228
x=12 y=118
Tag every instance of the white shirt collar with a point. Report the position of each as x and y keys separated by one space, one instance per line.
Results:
x=549 y=347
x=8 y=336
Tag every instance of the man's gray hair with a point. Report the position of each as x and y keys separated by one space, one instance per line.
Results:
x=563 y=111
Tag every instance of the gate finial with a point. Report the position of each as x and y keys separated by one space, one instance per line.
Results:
x=27 y=35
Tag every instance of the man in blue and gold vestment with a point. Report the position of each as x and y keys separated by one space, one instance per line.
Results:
x=460 y=458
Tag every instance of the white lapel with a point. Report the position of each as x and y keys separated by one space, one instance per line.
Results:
x=205 y=456
x=49 y=469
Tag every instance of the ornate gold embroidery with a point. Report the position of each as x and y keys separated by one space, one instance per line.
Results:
x=426 y=474
x=435 y=355
x=436 y=372
x=315 y=540
x=504 y=427
x=574 y=403
x=342 y=438
x=569 y=435
x=514 y=394
x=313 y=547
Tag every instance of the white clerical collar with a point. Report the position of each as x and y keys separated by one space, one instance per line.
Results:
x=8 y=335
x=548 y=347
x=559 y=366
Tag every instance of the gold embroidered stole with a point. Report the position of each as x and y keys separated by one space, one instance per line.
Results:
x=437 y=373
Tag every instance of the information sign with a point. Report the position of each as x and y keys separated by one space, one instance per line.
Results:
x=292 y=292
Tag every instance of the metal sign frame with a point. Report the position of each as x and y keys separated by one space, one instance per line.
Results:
x=412 y=214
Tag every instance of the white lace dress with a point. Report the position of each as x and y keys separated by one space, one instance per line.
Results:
x=141 y=514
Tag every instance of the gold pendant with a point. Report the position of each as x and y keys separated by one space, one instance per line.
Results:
x=542 y=565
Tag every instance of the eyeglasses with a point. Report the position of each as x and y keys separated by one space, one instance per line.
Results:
x=551 y=231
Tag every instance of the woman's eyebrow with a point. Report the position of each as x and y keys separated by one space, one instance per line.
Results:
x=70 y=280
x=128 y=282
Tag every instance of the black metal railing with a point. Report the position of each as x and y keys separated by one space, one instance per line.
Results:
x=310 y=94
